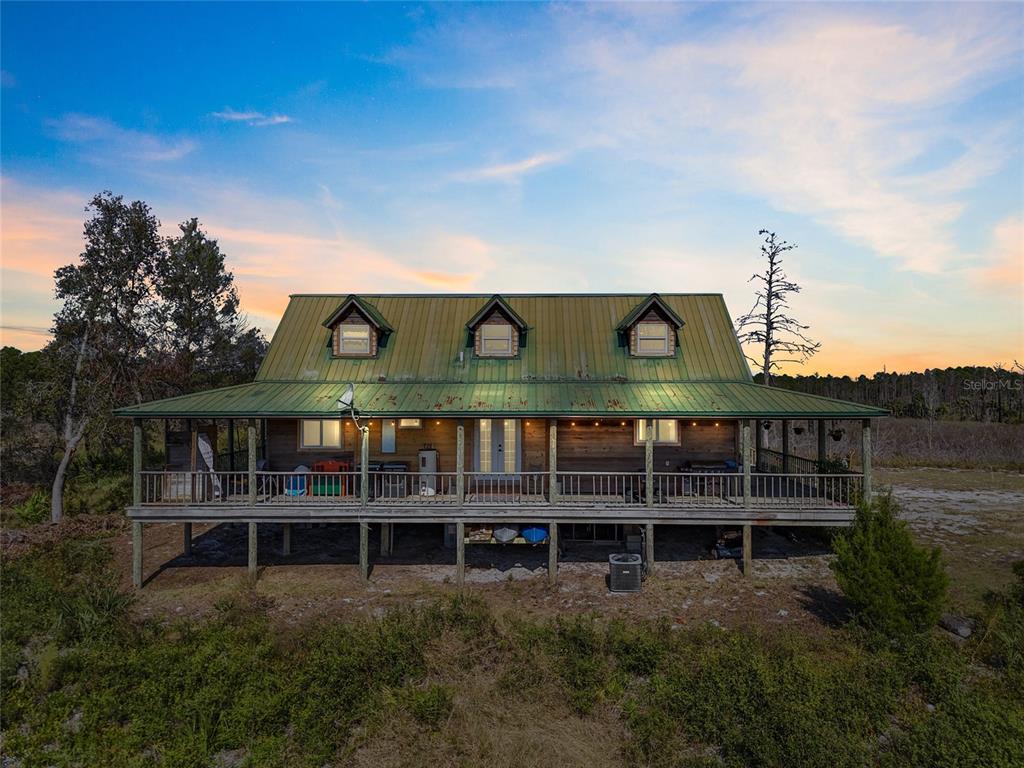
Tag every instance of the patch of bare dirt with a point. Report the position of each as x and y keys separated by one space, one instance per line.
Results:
x=791 y=583
x=15 y=542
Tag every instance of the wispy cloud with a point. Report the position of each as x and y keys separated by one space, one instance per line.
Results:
x=7 y=79
x=818 y=113
x=251 y=117
x=105 y=140
x=510 y=172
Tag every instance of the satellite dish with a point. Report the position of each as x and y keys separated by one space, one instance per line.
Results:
x=346 y=401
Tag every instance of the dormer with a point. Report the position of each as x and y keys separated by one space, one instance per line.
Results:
x=651 y=329
x=496 y=330
x=357 y=329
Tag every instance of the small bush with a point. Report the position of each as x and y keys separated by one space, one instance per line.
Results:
x=896 y=588
x=33 y=510
x=92 y=494
x=429 y=706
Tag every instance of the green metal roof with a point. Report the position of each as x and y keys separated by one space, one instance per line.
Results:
x=572 y=364
x=607 y=398
x=570 y=338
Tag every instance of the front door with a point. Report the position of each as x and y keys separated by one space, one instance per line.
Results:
x=497 y=446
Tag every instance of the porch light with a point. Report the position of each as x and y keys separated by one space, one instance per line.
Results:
x=693 y=423
x=623 y=424
x=597 y=423
x=572 y=423
x=716 y=423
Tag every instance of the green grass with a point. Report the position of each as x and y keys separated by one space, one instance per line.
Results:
x=84 y=683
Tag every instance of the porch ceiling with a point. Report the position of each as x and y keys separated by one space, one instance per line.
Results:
x=612 y=398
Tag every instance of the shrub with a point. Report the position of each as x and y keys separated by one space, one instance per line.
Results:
x=33 y=510
x=895 y=587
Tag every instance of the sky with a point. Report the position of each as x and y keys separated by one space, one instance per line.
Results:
x=542 y=148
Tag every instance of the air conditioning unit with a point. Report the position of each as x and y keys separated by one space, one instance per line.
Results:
x=625 y=572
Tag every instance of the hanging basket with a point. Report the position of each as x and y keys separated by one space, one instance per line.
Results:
x=798 y=430
x=837 y=434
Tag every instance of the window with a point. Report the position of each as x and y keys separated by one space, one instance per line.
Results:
x=321 y=433
x=387 y=436
x=353 y=339
x=666 y=431
x=653 y=339
x=484 y=445
x=410 y=423
x=496 y=340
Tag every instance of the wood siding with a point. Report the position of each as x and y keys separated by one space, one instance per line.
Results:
x=609 y=446
x=605 y=448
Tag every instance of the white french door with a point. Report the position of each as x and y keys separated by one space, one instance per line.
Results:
x=496 y=448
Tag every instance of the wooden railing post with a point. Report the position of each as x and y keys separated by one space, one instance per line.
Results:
x=364 y=465
x=252 y=460
x=460 y=463
x=136 y=462
x=785 y=446
x=822 y=449
x=553 y=460
x=865 y=450
x=745 y=454
x=649 y=462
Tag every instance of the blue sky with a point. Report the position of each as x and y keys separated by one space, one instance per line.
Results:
x=504 y=148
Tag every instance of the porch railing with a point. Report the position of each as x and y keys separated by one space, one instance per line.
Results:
x=523 y=489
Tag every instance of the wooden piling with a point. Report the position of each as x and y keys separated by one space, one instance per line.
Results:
x=649 y=547
x=553 y=552
x=748 y=550
x=460 y=554
x=865 y=457
x=186 y=531
x=253 y=546
x=137 y=554
x=286 y=539
x=364 y=551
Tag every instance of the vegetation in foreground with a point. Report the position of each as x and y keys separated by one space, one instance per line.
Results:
x=86 y=684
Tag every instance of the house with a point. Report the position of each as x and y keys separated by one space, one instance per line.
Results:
x=559 y=412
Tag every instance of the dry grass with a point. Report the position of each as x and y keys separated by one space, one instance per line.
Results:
x=919 y=443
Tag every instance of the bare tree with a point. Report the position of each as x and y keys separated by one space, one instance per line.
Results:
x=768 y=323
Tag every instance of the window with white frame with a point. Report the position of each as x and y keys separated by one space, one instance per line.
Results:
x=653 y=338
x=496 y=340
x=410 y=423
x=353 y=339
x=666 y=431
x=320 y=433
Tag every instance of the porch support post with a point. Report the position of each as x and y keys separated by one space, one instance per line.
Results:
x=460 y=554
x=460 y=463
x=286 y=539
x=364 y=465
x=364 y=551
x=137 y=554
x=385 y=539
x=186 y=533
x=649 y=547
x=649 y=462
x=785 y=446
x=758 y=441
x=865 y=450
x=748 y=549
x=136 y=462
x=252 y=461
x=231 y=445
x=553 y=552
x=553 y=461
x=822 y=449
x=253 y=543
x=745 y=456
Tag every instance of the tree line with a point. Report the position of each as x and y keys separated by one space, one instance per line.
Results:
x=143 y=316
x=965 y=393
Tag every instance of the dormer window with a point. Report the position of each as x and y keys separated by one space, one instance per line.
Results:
x=496 y=330
x=651 y=329
x=653 y=339
x=496 y=340
x=357 y=329
x=354 y=339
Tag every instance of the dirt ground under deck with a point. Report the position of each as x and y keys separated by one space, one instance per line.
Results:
x=319 y=579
